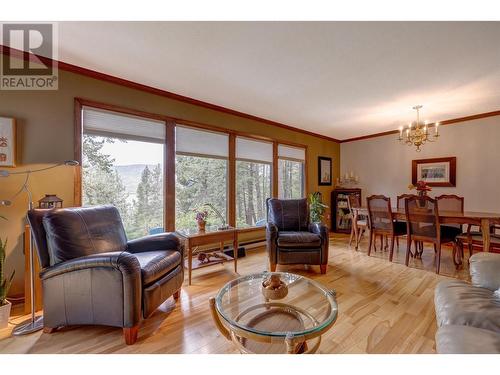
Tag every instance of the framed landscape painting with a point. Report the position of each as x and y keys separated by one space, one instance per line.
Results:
x=324 y=170
x=7 y=142
x=440 y=172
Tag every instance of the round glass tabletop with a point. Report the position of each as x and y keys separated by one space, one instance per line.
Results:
x=306 y=307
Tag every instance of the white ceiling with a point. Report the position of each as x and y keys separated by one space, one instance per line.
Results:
x=340 y=79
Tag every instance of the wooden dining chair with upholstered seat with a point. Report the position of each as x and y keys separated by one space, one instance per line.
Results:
x=400 y=204
x=381 y=221
x=422 y=220
x=452 y=203
x=359 y=223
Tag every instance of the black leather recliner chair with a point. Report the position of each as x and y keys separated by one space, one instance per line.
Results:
x=291 y=238
x=91 y=274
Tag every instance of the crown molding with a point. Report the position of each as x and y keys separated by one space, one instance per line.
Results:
x=441 y=123
x=152 y=90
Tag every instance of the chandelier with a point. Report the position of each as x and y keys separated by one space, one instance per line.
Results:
x=417 y=132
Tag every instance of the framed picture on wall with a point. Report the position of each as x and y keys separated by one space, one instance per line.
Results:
x=7 y=142
x=439 y=172
x=324 y=171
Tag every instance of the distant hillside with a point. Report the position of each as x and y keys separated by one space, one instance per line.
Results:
x=131 y=176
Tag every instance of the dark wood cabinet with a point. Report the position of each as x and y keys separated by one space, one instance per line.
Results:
x=341 y=218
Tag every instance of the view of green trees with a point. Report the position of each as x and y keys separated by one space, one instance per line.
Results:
x=199 y=180
x=253 y=187
x=137 y=190
x=103 y=184
x=290 y=177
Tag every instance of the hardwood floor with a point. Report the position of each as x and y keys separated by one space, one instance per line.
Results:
x=383 y=308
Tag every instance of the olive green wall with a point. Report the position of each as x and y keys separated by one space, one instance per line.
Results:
x=45 y=121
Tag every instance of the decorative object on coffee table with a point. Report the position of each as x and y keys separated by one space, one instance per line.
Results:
x=294 y=324
x=274 y=288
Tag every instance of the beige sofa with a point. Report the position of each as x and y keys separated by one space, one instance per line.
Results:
x=468 y=315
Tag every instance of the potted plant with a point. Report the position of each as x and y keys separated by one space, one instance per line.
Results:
x=201 y=219
x=316 y=207
x=4 y=285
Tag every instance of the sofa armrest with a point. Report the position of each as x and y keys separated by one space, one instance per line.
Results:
x=271 y=240
x=485 y=270
x=322 y=230
x=103 y=288
x=319 y=228
x=122 y=261
x=161 y=241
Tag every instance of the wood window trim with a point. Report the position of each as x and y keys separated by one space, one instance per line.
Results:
x=169 y=157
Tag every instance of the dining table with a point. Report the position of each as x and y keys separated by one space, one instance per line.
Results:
x=482 y=219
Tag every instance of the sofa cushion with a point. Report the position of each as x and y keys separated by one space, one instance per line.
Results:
x=76 y=232
x=459 y=303
x=453 y=339
x=299 y=240
x=156 y=264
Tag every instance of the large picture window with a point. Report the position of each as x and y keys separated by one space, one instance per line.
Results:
x=253 y=181
x=134 y=160
x=122 y=162
x=291 y=172
x=201 y=175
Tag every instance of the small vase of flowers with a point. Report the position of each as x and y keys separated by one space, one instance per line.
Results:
x=421 y=187
x=201 y=219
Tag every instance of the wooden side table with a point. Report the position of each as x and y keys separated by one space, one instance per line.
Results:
x=194 y=240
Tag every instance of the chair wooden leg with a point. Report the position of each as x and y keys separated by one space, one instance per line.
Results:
x=438 y=257
x=361 y=232
x=49 y=330
x=370 y=243
x=392 y=248
x=272 y=267
x=177 y=294
x=397 y=242
x=408 y=250
x=322 y=268
x=352 y=235
x=130 y=335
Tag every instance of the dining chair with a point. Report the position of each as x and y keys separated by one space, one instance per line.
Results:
x=453 y=203
x=422 y=221
x=359 y=223
x=381 y=221
x=400 y=204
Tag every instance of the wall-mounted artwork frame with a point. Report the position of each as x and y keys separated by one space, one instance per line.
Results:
x=439 y=172
x=324 y=171
x=7 y=142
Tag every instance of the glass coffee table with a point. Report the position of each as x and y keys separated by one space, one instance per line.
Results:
x=274 y=312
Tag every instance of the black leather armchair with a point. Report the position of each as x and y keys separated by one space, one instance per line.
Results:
x=291 y=238
x=91 y=274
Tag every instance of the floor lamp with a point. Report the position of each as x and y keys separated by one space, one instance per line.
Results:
x=34 y=323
